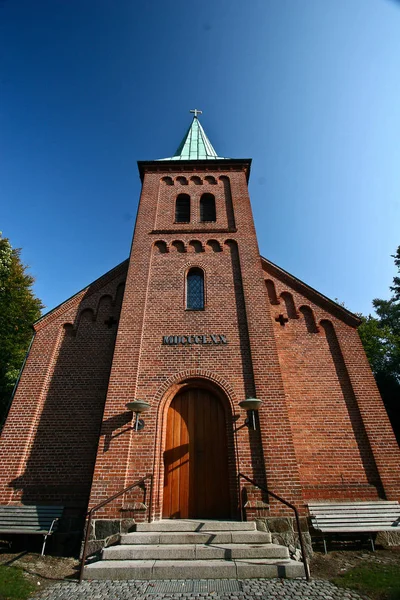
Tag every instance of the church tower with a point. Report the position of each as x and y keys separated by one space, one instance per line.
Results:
x=195 y=338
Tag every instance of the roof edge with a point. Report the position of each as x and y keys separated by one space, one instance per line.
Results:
x=343 y=313
x=97 y=284
x=192 y=165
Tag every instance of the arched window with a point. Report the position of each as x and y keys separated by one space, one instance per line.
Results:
x=182 y=209
x=195 y=289
x=207 y=208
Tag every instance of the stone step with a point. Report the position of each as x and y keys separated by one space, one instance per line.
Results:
x=194 y=537
x=196 y=525
x=194 y=551
x=193 y=569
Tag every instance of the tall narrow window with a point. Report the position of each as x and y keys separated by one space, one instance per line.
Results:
x=207 y=207
x=195 y=289
x=182 y=209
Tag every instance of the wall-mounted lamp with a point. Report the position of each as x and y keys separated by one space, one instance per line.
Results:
x=138 y=406
x=251 y=406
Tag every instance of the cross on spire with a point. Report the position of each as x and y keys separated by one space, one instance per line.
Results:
x=196 y=112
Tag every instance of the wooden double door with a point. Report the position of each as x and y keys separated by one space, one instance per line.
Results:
x=196 y=478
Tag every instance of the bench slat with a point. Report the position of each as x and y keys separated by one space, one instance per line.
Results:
x=23 y=530
x=9 y=525
x=354 y=529
x=29 y=517
x=376 y=503
x=24 y=526
x=356 y=517
x=27 y=514
x=30 y=508
x=18 y=520
x=354 y=507
x=356 y=520
x=360 y=527
x=33 y=509
x=355 y=514
x=41 y=524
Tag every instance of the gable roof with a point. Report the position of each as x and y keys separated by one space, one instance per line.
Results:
x=85 y=292
x=313 y=295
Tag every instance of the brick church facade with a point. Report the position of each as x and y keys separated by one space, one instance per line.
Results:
x=193 y=323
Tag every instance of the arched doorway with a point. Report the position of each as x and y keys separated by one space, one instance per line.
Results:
x=196 y=477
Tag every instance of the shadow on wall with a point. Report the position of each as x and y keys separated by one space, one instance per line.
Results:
x=256 y=447
x=360 y=435
x=60 y=466
x=353 y=410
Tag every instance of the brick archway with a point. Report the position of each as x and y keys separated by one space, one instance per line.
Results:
x=195 y=456
x=180 y=387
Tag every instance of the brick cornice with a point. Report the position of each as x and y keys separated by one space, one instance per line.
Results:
x=193 y=166
x=313 y=295
x=86 y=292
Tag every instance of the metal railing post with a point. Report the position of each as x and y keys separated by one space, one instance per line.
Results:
x=107 y=501
x=240 y=500
x=151 y=497
x=296 y=513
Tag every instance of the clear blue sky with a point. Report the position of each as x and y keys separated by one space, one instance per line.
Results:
x=310 y=89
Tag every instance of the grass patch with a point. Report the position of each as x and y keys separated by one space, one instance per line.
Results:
x=378 y=581
x=14 y=584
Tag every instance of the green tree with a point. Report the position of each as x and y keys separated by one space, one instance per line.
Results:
x=19 y=308
x=380 y=336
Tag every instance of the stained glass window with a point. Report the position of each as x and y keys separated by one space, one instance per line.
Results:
x=195 y=289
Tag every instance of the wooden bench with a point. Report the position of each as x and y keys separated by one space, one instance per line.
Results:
x=40 y=520
x=355 y=517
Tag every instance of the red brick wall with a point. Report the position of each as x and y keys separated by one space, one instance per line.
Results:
x=49 y=442
x=345 y=447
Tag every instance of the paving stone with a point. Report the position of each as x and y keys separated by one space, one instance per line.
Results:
x=273 y=589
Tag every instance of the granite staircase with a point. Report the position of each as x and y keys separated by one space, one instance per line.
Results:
x=194 y=549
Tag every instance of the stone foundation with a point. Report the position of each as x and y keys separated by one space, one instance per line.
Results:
x=284 y=532
x=388 y=538
x=106 y=532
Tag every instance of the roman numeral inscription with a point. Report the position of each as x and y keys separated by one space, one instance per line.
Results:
x=185 y=340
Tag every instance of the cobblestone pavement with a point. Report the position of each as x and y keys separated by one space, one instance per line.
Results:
x=279 y=589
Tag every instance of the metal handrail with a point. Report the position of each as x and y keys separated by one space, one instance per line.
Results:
x=286 y=503
x=95 y=508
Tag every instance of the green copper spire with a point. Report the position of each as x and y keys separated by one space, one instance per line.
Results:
x=195 y=145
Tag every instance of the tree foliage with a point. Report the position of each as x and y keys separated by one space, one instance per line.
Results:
x=19 y=308
x=380 y=336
